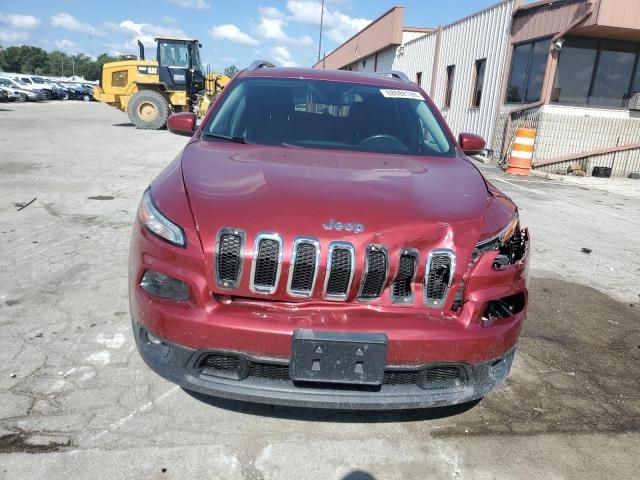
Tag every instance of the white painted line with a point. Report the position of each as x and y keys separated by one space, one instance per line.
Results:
x=141 y=409
x=532 y=190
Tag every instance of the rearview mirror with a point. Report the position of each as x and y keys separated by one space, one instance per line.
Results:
x=183 y=123
x=470 y=143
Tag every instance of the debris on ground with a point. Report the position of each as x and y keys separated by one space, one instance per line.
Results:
x=100 y=197
x=586 y=250
x=22 y=206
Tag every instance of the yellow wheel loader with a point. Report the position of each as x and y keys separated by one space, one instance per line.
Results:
x=150 y=90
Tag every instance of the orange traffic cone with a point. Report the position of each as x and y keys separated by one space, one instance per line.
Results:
x=522 y=152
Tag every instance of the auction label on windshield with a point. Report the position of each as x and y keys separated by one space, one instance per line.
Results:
x=410 y=94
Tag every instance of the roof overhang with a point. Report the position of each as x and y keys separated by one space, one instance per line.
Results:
x=382 y=33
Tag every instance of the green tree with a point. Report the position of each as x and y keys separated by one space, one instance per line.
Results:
x=230 y=71
x=58 y=64
x=24 y=59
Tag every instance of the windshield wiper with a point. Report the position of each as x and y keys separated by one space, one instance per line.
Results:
x=226 y=137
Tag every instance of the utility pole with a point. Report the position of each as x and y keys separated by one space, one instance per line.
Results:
x=62 y=66
x=73 y=66
x=321 y=20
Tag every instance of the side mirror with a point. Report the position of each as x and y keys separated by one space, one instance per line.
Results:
x=183 y=123
x=470 y=143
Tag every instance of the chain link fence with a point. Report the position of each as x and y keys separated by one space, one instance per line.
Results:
x=577 y=131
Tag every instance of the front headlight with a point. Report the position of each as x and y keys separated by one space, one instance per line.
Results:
x=495 y=242
x=510 y=244
x=157 y=223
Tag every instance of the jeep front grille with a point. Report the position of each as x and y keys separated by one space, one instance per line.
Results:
x=375 y=272
x=402 y=287
x=307 y=256
x=340 y=267
x=305 y=262
x=229 y=253
x=441 y=266
x=266 y=264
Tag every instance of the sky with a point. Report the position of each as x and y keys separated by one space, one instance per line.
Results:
x=231 y=32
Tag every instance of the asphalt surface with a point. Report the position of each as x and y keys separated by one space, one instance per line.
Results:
x=76 y=401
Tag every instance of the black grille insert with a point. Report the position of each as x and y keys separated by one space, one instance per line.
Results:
x=239 y=368
x=375 y=274
x=438 y=278
x=401 y=291
x=341 y=263
x=229 y=259
x=304 y=268
x=266 y=265
x=442 y=376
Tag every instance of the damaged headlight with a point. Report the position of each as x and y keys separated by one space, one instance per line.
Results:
x=157 y=223
x=510 y=243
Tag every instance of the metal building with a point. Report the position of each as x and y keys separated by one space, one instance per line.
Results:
x=569 y=68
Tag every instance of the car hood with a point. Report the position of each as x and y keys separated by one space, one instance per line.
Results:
x=401 y=201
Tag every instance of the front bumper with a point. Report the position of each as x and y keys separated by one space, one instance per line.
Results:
x=270 y=383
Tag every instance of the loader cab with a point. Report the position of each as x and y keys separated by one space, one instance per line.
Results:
x=179 y=64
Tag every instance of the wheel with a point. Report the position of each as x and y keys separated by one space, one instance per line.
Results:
x=148 y=110
x=86 y=98
x=23 y=97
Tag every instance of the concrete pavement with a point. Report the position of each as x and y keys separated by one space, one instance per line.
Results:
x=76 y=401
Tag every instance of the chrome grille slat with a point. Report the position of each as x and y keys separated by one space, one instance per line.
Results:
x=402 y=287
x=229 y=253
x=266 y=264
x=303 y=270
x=441 y=266
x=375 y=272
x=340 y=268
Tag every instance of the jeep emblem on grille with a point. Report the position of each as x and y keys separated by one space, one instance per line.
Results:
x=348 y=226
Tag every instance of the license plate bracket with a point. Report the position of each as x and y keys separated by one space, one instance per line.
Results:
x=338 y=357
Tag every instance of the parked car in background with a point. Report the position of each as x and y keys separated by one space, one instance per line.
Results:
x=21 y=94
x=12 y=95
x=32 y=93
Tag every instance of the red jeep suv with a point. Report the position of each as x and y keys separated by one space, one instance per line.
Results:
x=324 y=241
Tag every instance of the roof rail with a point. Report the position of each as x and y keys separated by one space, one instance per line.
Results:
x=260 y=64
x=397 y=74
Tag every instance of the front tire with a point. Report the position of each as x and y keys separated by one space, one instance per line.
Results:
x=148 y=110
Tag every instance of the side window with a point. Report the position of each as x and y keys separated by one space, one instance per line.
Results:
x=478 y=85
x=451 y=72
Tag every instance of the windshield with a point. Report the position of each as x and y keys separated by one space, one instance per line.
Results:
x=174 y=54
x=326 y=114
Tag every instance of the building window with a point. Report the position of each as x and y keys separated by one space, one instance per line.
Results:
x=451 y=72
x=419 y=78
x=481 y=66
x=596 y=72
x=528 y=66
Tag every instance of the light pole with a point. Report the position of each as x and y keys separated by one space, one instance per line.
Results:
x=321 y=19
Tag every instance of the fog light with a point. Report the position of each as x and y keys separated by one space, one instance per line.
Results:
x=153 y=339
x=164 y=286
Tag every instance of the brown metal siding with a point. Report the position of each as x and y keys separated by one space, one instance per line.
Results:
x=546 y=21
x=620 y=13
